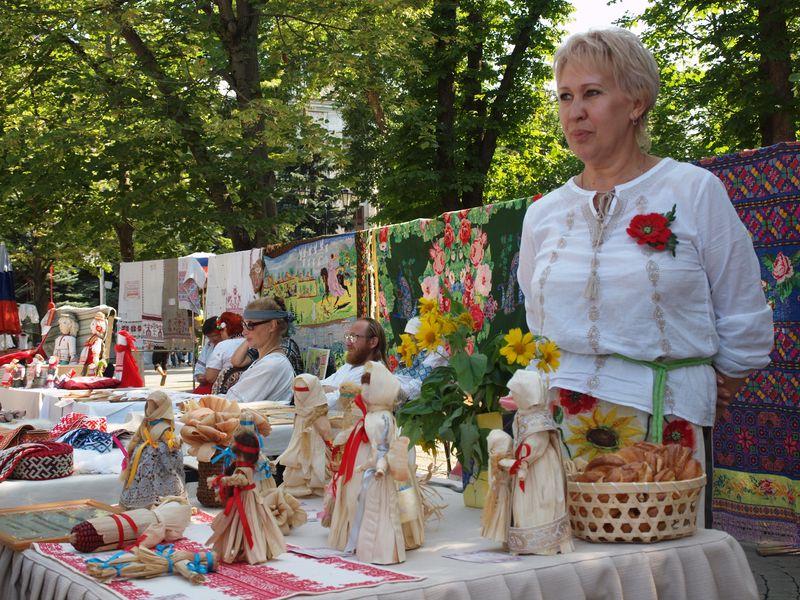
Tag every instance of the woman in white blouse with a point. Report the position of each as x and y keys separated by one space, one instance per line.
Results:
x=638 y=267
x=270 y=375
x=229 y=325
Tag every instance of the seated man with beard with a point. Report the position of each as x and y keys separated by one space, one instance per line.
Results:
x=365 y=341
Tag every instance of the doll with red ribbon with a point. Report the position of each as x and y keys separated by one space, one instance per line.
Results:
x=307 y=457
x=245 y=530
x=539 y=523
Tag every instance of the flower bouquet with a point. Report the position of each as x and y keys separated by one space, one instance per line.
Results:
x=471 y=384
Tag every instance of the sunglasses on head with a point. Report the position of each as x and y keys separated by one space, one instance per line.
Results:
x=250 y=325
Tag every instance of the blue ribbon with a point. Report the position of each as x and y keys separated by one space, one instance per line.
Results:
x=104 y=563
x=263 y=470
x=225 y=453
x=166 y=551
x=197 y=565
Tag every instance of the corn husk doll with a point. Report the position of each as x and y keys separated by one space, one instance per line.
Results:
x=307 y=457
x=539 y=523
x=246 y=529
x=497 y=508
x=155 y=463
x=376 y=532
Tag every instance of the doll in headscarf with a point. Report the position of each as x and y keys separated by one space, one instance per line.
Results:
x=539 y=523
x=250 y=420
x=308 y=455
x=245 y=530
x=154 y=466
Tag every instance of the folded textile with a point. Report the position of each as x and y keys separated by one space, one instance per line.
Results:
x=76 y=420
x=88 y=439
x=89 y=383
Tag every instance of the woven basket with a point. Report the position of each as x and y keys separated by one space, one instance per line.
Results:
x=206 y=495
x=52 y=462
x=634 y=512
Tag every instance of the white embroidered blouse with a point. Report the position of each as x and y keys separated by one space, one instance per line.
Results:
x=706 y=301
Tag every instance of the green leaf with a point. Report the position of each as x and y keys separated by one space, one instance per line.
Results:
x=558 y=417
x=469 y=370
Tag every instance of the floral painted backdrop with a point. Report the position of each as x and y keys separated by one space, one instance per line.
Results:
x=469 y=255
x=757 y=440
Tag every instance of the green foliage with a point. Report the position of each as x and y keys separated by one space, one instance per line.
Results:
x=717 y=93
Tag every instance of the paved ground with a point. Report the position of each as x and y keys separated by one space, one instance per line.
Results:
x=777 y=577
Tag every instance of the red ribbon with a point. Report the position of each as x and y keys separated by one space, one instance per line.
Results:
x=518 y=463
x=357 y=436
x=237 y=500
x=120 y=530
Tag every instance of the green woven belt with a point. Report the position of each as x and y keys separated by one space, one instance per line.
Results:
x=660 y=382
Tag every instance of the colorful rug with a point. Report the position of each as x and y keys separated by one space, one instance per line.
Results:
x=290 y=574
x=473 y=254
x=757 y=441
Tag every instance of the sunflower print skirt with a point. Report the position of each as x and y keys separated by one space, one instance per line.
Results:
x=589 y=427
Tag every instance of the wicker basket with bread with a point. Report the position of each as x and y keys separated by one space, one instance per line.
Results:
x=641 y=493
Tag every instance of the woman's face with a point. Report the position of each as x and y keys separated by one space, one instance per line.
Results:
x=263 y=335
x=596 y=116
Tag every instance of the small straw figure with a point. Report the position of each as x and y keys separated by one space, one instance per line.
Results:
x=154 y=467
x=246 y=530
x=539 y=523
x=496 y=511
x=92 y=353
x=307 y=457
x=251 y=421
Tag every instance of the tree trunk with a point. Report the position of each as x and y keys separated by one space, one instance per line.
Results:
x=777 y=120
x=444 y=15
x=177 y=110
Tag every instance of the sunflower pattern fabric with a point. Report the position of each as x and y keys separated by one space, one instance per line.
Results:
x=590 y=427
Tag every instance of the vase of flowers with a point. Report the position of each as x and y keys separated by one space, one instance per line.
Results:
x=455 y=397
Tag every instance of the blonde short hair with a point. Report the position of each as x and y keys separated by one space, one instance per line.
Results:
x=621 y=52
x=271 y=303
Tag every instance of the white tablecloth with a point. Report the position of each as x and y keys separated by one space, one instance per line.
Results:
x=709 y=566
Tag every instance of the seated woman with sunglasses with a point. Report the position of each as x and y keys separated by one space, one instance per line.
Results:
x=270 y=376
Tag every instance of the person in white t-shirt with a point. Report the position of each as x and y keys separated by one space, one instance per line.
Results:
x=213 y=336
x=230 y=328
x=365 y=341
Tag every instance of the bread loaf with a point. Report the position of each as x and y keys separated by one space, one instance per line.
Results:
x=643 y=462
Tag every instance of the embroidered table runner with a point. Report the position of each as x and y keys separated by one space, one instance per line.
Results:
x=291 y=574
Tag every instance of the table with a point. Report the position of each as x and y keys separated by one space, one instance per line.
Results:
x=708 y=565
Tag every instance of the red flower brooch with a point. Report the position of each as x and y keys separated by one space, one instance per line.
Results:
x=653 y=229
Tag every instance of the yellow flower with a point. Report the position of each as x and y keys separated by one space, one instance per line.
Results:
x=466 y=320
x=428 y=305
x=448 y=324
x=601 y=433
x=550 y=355
x=519 y=348
x=429 y=335
x=407 y=349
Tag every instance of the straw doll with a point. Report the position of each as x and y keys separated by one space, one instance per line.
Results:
x=92 y=352
x=376 y=533
x=246 y=530
x=496 y=511
x=250 y=420
x=344 y=423
x=307 y=456
x=155 y=464
x=539 y=523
